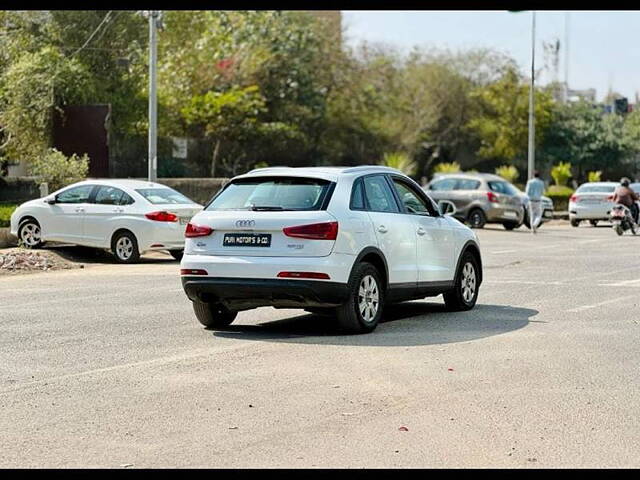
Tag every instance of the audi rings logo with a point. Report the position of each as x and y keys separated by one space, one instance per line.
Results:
x=245 y=223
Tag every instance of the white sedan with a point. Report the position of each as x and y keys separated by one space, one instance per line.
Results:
x=592 y=201
x=129 y=217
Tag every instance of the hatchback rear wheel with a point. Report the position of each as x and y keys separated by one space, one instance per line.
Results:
x=477 y=218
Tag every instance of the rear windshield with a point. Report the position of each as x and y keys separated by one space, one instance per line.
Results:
x=159 y=196
x=596 y=188
x=272 y=193
x=503 y=187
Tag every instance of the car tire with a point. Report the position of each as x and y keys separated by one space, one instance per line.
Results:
x=467 y=285
x=124 y=247
x=510 y=225
x=618 y=229
x=363 y=309
x=594 y=223
x=30 y=234
x=213 y=315
x=177 y=254
x=477 y=218
x=575 y=223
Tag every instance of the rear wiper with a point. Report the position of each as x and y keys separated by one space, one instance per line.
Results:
x=265 y=208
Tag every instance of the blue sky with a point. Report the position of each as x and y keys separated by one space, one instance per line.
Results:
x=604 y=47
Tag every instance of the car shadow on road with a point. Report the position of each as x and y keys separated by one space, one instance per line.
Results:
x=405 y=324
x=79 y=254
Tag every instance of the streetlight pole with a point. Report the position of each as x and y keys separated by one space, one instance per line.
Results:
x=532 y=118
x=566 y=57
x=153 y=98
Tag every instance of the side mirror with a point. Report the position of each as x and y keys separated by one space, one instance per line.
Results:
x=447 y=207
x=50 y=200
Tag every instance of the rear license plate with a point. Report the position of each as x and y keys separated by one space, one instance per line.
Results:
x=184 y=220
x=548 y=214
x=246 y=240
x=510 y=214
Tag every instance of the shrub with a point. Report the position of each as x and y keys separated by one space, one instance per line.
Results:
x=444 y=167
x=5 y=214
x=560 y=196
x=400 y=161
x=561 y=173
x=594 y=176
x=58 y=170
x=508 y=172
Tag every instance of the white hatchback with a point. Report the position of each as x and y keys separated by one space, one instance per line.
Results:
x=129 y=217
x=344 y=241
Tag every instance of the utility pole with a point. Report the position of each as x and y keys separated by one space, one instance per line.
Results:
x=532 y=118
x=566 y=57
x=153 y=98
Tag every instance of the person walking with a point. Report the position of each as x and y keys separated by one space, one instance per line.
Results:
x=534 y=190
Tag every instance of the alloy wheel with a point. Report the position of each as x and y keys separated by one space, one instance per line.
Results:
x=124 y=248
x=468 y=282
x=368 y=298
x=30 y=234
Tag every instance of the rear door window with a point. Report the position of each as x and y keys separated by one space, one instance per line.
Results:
x=163 y=196
x=467 y=184
x=444 y=185
x=502 y=187
x=379 y=195
x=273 y=193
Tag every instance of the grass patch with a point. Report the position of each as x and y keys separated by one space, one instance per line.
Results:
x=5 y=214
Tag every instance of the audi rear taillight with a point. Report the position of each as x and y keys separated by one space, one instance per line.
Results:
x=317 y=275
x=162 y=216
x=193 y=271
x=194 y=230
x=573 y=198
x=314 y=231
x=493 y=198
x=610 y=198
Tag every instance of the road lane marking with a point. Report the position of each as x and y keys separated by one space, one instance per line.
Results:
x=595 y=305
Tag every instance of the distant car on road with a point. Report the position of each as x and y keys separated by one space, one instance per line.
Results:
x=482 y=198
x=592 y=201
x=128 y=217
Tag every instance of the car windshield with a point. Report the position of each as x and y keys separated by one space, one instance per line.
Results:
x=272 y=193
x=160 y=196
x=596 y=188
x=503 y=187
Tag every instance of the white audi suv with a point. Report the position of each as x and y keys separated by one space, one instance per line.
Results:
x=340 y=240
x=129 y=217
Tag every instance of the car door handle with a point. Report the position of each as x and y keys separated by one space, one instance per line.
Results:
x=421 y=231
x=79 y=210
x=382 y=229
x=118 y=210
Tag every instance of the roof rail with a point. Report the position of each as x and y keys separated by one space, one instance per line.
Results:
x=369 y=167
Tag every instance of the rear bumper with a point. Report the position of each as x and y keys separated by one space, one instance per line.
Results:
x=591 y=212
x=247 y=293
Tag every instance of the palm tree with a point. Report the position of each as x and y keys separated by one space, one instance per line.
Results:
x=400 y=161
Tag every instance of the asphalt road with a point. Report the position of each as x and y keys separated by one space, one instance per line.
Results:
x=108 y=367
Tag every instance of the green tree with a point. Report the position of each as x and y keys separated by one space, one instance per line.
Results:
x=502 y=124
x=591 y=140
